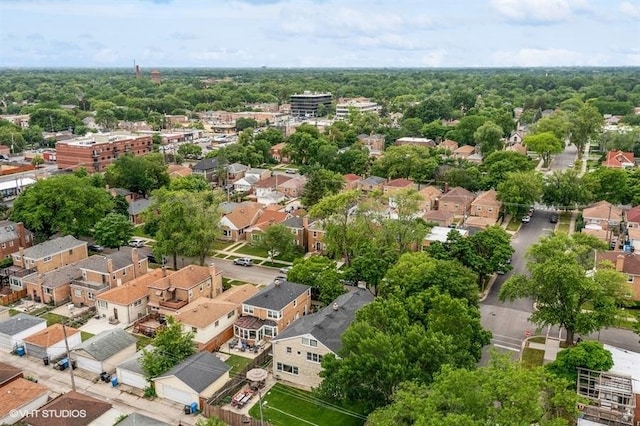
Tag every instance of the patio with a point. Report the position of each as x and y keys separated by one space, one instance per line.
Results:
x=229 y=347
x=98 y=325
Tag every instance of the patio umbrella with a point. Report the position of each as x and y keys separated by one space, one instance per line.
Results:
x=257 y=374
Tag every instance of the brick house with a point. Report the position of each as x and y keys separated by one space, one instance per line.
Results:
x=276 y=153
x=315 y=234
x=374 y=143
x=372 y=183
x=449 y=145
x=457 y=201
x=137 y=208
x=430 y=194
x=602 y=214
x=208 y=168
x=52 y=254
x=633 y=218
x=292 y=188
x=465 y=151
x=486 y=205
x=439 y=217
x=298 y=227
x=235 y=171
x=235 y=224
x=104 y=272
x=391 y=187
x=13 y=235
x=268 y=218
x=175 y=290
x=298 y=350
x=270 y=311
x=52 y=287
x=352 y=181
x=619 y=160
x=628 y=264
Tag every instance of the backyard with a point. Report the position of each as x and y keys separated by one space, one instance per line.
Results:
x=237 y=363
x=286 y=406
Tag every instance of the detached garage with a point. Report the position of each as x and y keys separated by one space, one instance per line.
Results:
x=104 y=351
x=198 y=376
x=50 y=342
x=130 y=372
x=15 y=329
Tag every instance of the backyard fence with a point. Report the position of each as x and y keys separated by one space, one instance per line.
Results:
x=232 y=418
x=14 y=296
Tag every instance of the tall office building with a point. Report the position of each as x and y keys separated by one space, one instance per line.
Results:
x=306 y=104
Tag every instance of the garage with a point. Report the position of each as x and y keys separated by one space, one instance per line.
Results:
x=131 y=374
x=178 y=395
x=89 y=364
x=15 y=329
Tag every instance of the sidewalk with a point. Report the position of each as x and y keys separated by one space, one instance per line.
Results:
x=551 y=347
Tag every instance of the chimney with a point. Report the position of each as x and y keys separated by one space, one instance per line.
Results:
x=305 y=222
x=620 y=263
x=20 y=231
x=109 y=265
x=134 y=260
x=277 y=282
x=216 y=280
x=164 y=270
x=335 y=306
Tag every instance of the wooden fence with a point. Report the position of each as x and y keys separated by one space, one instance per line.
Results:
x=7 y=299
x=232 y=418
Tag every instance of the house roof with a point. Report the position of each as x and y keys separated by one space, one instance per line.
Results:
x=449 y=144
x=138 y=206
x=19 y=323
x=9 y=231
x=328 y=325
x=294 y=222
x=57 y=277
x=350 y=177
x=18 y=393
x=237 y=293
x=120 y=259
x=631 y=263
x=106 y=344
x=134 y=364
x=441 y=233
x=487 y=198
x=198 y=371
x=278 y=146
x=399 y=183
x=465 y=150
x=132 y=291
x=430 y=192
x=121 y=191
x=206 y=164
x=8 y=372
x=93 y=408
x=247 y=180
x=252 y=323
x=228 y=207
x=255 y=171
x=137 y=419
x=633 y=215
x=236 y=167
x=243 y=216
x=185 y=278
x=203 y=311
x=178 y=170
x=51 y=247
x=457 y=194
x=273 y=181
x=272 y=217
x=618 y=159
x=277 y=295
x=373 y=180
x=437 y=215
x=50 y=335
x=293 y=182
x=603 y=210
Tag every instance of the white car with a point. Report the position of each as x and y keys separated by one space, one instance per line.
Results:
x=285 y=270
x=136 y=242
x=526 y=219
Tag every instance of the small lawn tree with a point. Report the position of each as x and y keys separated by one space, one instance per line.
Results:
x=277 y=238
x=170 y=347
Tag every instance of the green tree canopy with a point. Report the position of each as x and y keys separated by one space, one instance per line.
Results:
x=519 y=190
x=113 y=230
x=545 y=144
x=140 y=175
x=170 y=347
x=320 y=274
x=488 y=137
x=277 y=238
x=320 y=183
x=586 y=354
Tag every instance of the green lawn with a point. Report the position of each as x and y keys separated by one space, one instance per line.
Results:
x=236 y=363
x=287 y=406
x=143 y=341
x=532 y=357
x=138 y=231
x=513 y=224
x=85 y=335
x=13 y=312
x=538 y=339
x=53 y=318
x=252 y=251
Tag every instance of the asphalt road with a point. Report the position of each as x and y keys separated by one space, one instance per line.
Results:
x=565 y=159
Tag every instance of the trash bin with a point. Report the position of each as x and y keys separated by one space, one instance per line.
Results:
x=194 y=407
x=20 y=351
x=74 y=364
x=187 y=409
x=114 y=381
x=45 y=360
x=104 y=376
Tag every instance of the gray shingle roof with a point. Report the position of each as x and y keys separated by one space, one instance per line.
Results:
x=106 y=344
x=138 y=206
x=9 y=231
x=137 y=419
x=276 y=297
x=328 y=325
x=199 y=370
x=206 y=164
x=56 y=278
x=134 y=364
x=373 y=180
x=228 y=207
x=98 y=262
x=51 y=247
x=18 y=324
x=236 y=167
x=294 y=222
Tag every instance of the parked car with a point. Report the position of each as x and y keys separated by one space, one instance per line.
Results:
x=95 y=247
x=152 y=258
x=553 y=218
x=285 y=270
x=530 y=212
x=136 y=242
x=526 y=219
x=243 y=261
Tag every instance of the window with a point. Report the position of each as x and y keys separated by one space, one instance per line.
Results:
x=124 y=272
x=190 y=294
x=309 y=342
x=209 y=284
x=201 y=287
x=273 y=314
x=479 y=209
x=247 y=309
x=47 y=258
x=295 y=303
x=48 y=290
x=270 y=331
x=230 y=314
x=137 y=302
x=70 y=251
x=313 y=357
x=102 y=304
x=194 y=329
x=226 y=232
x=17 y=257
x=10 y=244
x=78 y=292
x=91 y=296
x=490 y=209
x=287 y=368
x=15 y=282
x=4 y=245
x=288 y=349
x=315 y=234
x=629 y=278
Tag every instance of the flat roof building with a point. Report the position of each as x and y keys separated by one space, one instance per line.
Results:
x=307 y=104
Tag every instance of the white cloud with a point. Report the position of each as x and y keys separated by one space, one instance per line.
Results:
x=539 y=11
x=531 y=57
x=631 y=10
x=105 y=56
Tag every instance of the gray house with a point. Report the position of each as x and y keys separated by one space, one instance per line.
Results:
x=104 y=351
x=15 y=329
x=207 y=168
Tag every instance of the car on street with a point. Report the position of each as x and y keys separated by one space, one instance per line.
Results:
x=553 y=218
x=96 y=248
x=530 y=212
x=243 y=261
x=526 y=219
x=136 y=242
x=152 y=259
x=285 y=270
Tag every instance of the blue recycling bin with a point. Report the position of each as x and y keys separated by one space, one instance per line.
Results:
x=194 y=407
x=20 y=351
x=114 y=381
x=63 y=363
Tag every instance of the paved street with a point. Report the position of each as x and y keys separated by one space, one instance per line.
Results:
x=564 y=160
x=254 y=274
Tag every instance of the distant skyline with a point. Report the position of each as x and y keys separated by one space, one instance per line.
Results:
x=320 y=33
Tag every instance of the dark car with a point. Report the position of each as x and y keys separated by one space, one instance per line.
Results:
x=95 y=247
x=553 y=218
x=152 y=258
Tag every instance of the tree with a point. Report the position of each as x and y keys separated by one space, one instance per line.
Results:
x=609 y=184
x=320 y=274
x=66 y=204
x=37 y=160
x=140 y=175
x=245 y=123
x=107 y=118
x=113 y=230
x=584 y=125
x=586 y=354
x=191 y=183
x=497 y=164
x=170 y=347
x=566 y=189
x=120 y=205
x=504 y=393
x=320 y=183
x=190 y=150
x=277 y=238
x=557 y=123
x=466 y=128
x=564 y=294
x=488 y=137
x=520 y=190
x=544 y=144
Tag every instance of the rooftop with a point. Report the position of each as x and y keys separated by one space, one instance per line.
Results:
x=93 y=409
x=57 y=277
x=120 y=259
x=19 y=323
x=203 y=311
x=50 y=335
x=8 y=372
x=238 y=293
x=185 y=278
x=106 y=344
x=51 y=247
x=277 y=295
x=18 y=393
x=198 y=371
x=132 y=291
x=440 y=233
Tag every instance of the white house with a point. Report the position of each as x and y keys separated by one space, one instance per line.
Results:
x=194 y=379
x=103 y=352
x=50 y=341
x=245 y=184
x=15 y=329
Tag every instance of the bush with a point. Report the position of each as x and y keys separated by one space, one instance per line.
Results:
x=150 y=392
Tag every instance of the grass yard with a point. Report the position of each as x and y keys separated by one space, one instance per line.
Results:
x=237 y=363
x=142 y=341
x=85 y=335
x=13 y=312
x=53 y=318
x=513 y=224
x=538 y=339
x=532 y=357
x=252 y=251
x=287 y=406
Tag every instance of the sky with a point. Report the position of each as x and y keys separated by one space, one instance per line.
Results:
x=319 y=33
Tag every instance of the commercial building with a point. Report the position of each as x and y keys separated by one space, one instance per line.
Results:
x=360 y=105
x=97 y=151
x=306 y=104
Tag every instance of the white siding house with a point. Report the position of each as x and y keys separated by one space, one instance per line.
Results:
x=15 y=329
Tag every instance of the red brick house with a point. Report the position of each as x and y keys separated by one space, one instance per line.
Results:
x=619 y=160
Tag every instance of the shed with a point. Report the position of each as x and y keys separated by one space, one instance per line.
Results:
x=105 y=350
x=15 y=329
x=50 y=341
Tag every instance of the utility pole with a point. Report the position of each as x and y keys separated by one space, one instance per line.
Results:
x=66 y=344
